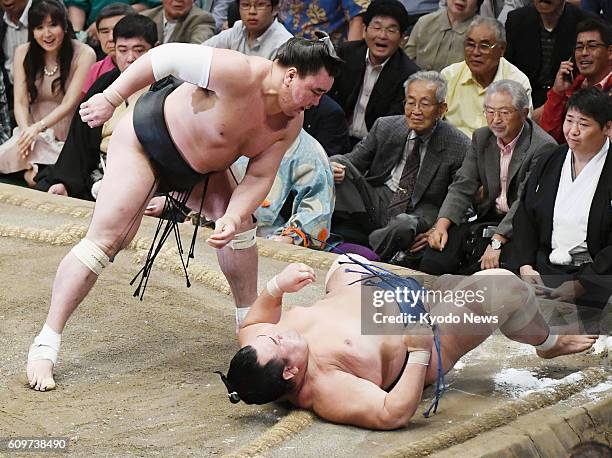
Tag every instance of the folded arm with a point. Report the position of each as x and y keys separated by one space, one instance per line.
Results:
x=348 y=399
x=345 y=398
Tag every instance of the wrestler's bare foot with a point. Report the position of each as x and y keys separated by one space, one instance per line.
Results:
x=568 y=344
x=40 y=375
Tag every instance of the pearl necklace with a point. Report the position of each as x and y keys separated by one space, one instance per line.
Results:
x=50 y=72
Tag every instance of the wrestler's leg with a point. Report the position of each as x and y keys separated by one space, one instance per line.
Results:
x=344 y=272
x=126 y=189
x=238 y=265
x=520 y=317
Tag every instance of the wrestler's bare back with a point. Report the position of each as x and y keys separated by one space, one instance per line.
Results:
x=211 y=131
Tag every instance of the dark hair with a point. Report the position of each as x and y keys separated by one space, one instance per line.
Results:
x=595 y=24
x=594 y=103
x=136 y=26
x=114 y=9
x=391 y=8
x=309 y=56
x=34 y=60
x=256 y=384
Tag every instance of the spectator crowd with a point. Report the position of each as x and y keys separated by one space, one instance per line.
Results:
x=459 y=136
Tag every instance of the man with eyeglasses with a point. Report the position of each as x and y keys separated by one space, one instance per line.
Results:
x=495 y=169
x=180 y=21
x=371 y=81
x=591 y=67
x=484 y=46
x=390 y=187
x=540 y=36
x=257 y=33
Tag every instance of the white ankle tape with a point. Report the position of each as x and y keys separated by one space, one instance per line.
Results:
x=91 y=255
x=421 y=357
x=273 y=289
x=549 y=343
x=46 y=345
x=244 y=240
x=241 y=313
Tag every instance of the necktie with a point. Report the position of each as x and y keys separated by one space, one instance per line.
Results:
x=401 y=199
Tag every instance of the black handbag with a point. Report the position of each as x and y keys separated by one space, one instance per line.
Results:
x=477 y=240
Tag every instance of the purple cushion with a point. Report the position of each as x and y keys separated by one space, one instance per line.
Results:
x=356 y=249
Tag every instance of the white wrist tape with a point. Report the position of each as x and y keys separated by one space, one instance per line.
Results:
x=244 y=240
x=419 y=357
x=91 y=255
x=549 y=343
x=46 y=345
x=241 y=313
x=273 y=289
x=186 y=61
x=112 y=96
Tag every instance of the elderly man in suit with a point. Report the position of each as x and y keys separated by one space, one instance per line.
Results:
x=493 y=175
x=396 y=179
x=180 y=21
x=370 y=83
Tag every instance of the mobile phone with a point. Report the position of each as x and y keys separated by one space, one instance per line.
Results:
x=570 y=77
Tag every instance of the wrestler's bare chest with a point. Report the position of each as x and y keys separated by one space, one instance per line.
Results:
x=333 y=331
x=212 y=132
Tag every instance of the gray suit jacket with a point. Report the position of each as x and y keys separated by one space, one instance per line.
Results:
x=197 y=27
x=377 y=155
x=481 y=168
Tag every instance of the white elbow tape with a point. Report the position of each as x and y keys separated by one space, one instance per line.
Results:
x=244 y=240
x=91 y=255
x=273 y=289
x=46 y=345
x=189 y=62
x=548 y=344
x=419 y=357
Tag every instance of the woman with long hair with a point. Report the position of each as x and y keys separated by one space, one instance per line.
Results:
x=49 y=73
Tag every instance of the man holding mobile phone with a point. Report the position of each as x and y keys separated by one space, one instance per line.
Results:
x=590 y=66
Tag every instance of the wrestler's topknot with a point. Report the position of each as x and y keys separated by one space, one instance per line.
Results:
x=309 y=56
x=254 y=383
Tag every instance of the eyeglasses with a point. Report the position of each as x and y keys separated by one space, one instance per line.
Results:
x=423 y=105
x=389 y=31
x=259 y=6
x=504 y=113
x=485 y=48
x=590 y=47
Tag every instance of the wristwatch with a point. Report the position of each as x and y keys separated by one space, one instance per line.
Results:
x=496 y=244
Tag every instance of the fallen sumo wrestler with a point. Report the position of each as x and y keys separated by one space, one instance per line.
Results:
x=180 y=140
x=305 y=354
